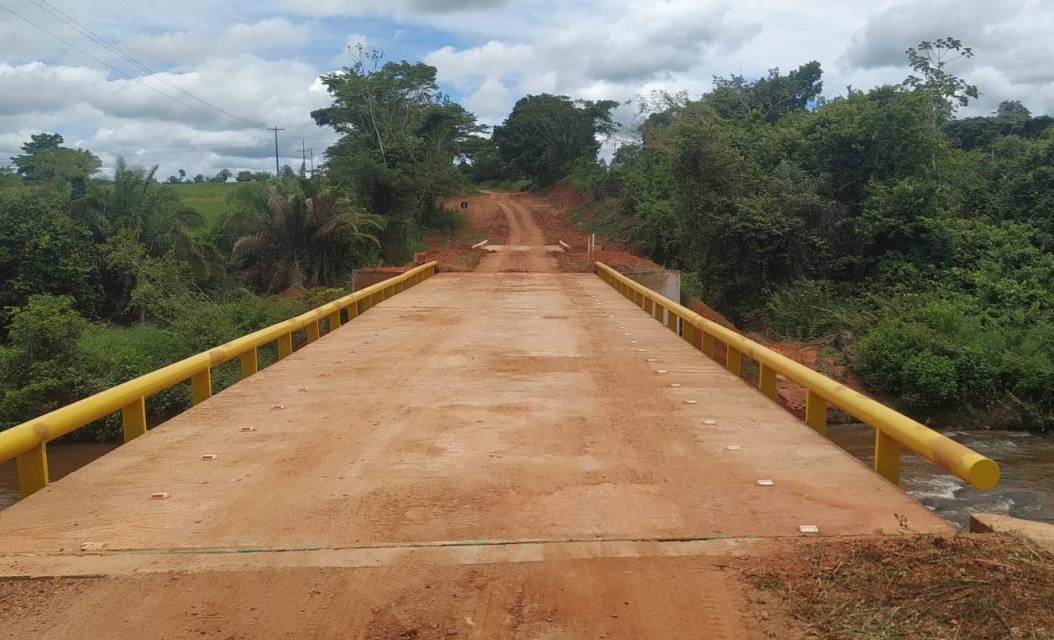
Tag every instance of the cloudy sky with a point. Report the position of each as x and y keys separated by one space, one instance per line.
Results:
x=193 y=84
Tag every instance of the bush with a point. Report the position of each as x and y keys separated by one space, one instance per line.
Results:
x=805 y=310
x=939 y=358
x=119 y=354
x=443 y=220
x=42 y=369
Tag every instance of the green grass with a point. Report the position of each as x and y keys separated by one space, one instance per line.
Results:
x=209 y=198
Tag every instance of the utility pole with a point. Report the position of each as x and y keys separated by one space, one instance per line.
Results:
x=303 y=156
x=277 y=171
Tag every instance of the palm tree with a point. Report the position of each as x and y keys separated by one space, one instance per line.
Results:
x=307 y=238
x=135 y=201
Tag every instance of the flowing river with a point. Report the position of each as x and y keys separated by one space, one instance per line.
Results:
x=1025 y=491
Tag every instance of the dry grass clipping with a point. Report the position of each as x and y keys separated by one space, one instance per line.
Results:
x=968 y=587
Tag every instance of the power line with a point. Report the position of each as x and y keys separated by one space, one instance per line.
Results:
x=102 y=62
x=107 y=64
x=96 y=38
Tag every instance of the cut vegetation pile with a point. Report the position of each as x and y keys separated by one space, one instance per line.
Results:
x=969 y=587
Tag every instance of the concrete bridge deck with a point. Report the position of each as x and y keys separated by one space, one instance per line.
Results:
x=499 y=455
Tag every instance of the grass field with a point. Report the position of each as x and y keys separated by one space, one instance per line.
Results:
x=209 y=198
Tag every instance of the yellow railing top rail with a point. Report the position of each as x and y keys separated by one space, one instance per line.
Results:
x=28 y=435
x=959 y=460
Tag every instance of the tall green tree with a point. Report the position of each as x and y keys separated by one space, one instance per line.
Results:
x=770 y=97
x=929 y=61
x=545 y=135
x=44 y=158
x=400 y=137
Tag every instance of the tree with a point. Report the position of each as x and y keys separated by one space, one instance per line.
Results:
x=771 y=97
x=222 y=175
x=44 y=158
x=546 y=134
x=43 y=250
x=930 y=60
x=381 y=106
x=182 y=175
x=135 y=201
x=245 y=176
x=400 y=137
x=306 y=238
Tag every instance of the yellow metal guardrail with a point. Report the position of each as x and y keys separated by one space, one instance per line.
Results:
x=28 y=441
x=893 y=430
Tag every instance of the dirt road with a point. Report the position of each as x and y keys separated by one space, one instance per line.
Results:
x=491 y=455
x=524 y=249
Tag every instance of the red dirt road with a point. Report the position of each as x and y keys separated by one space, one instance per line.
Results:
x=486 y=455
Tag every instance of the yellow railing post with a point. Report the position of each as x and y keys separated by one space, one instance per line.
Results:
x=313 y=331
x=887 y=457
x=250 y=363
x=353 y=310
x=334 y=321
x=767 y=381
x=33 y=470
x=656 y=311
x=688 y=332
x=733 y=360
x=285 y=346
x=201 y=386
x=708 y=345
x=816 y=412
x=671 y=320
x=133 y=419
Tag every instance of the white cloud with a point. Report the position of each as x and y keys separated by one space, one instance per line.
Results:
x=491 y=101
x=391 y=7
x=1010 y=41
x=261 y=60
x=593 y=58
x=127 y=118
x=182 y=47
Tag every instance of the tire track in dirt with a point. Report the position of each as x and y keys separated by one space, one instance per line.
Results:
x=524 y=251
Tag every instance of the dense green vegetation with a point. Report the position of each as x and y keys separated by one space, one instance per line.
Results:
x=924 y=241
x=103 y=280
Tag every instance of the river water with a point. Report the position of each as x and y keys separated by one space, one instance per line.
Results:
x=1025 y=491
